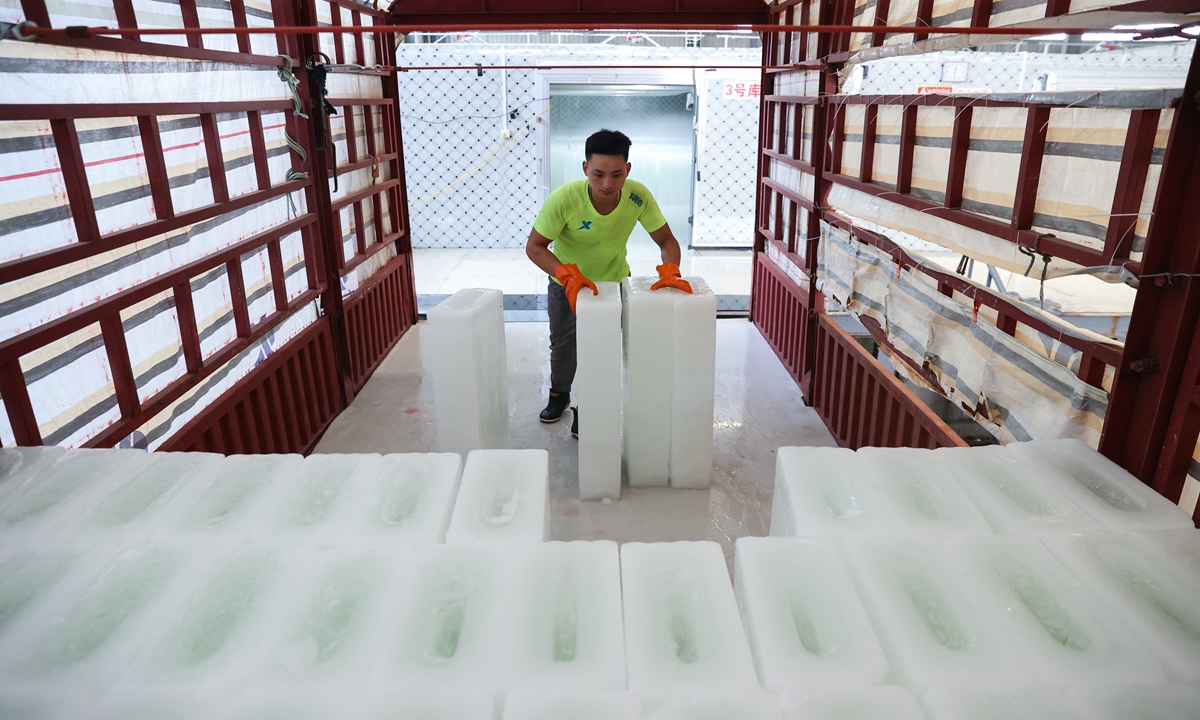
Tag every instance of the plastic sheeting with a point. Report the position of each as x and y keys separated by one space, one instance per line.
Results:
x=1021 y=387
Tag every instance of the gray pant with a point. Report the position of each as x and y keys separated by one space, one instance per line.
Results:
x=562 y=338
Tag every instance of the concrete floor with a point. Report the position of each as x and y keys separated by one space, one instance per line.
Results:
x=758 y=409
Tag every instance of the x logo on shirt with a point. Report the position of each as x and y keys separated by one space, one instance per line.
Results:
x=587 y=225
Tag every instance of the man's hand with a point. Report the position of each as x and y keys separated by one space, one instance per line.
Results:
x=573 y=281
x=668 y=276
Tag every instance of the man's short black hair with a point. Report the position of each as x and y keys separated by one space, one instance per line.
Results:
x=607 y=142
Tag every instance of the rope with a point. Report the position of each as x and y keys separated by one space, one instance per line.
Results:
x=286 y=75
x=1046 y=258
x=16 y=31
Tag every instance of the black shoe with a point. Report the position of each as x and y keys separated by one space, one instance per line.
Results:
x=555 y=406
x=575 y=423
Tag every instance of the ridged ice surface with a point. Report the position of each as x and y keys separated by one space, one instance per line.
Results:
x=502 y=498
x=578 y=705
x=825 y=492
x=886 y=702
x=919 y=493
x=983 y=702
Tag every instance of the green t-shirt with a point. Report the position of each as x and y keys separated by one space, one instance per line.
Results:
x=595 y=242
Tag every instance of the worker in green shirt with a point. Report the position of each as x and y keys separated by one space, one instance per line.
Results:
x=589 y=222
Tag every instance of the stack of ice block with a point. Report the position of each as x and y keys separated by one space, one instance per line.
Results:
x=670 y=350
x=470 y=370
x=598 y=391
x=1000 y=582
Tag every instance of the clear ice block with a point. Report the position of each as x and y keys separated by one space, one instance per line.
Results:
x=330 y=625
x=52 y=486
x=406 y=499
x=929 y=620
x=18 y=463
x=1100 y=486
x=887 y=702
x=1154 y=595
x=1014 y=500
x=27 y=577
x=451 y=621
x=649 y=331
x=598 y=391
x=315 y=506
x=682 y=629
x=822 y=491
x=578 y=705
x=230 y=502
x=920 y=495
x=470 y=370
x=502 y=497
x=1116 y=702
x=984 y=702
x=693 y=384
x=1182 y=546
x=807 y=628
x=1068 y=633
x=566 y=627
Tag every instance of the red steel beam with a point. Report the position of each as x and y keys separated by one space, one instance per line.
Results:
x=119 y=365
x=960 y=141
x=1131 y=182
x=79 y=192
x=867 y=161
x=189 y=337
x=908 y=143
x=216 y=158
x=156 y=167
x=238 y=8
x=1165 y=310
x=21 y=417
x=1025 y=198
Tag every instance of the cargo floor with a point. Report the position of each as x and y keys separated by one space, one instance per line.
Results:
x=758 y=409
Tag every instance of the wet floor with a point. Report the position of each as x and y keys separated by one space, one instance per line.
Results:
x=758 y=409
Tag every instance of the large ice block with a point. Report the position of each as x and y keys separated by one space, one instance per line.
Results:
x=928 y=619
x=887 y=702
x=577 y=705
x=314 y=507
x=825 y=492
x=18 y=463
x=598 y=391
x=470 y=370
x=1100 y=486
x=212 y=633
x=1014 y=500
x=682 y=629
x=806 y=626
x=920 y=495
x=1118 y=702
x=1069 y=634
x=28 y=576
x=502 y=497
x=128 y=508
x=566 y=631
x=143 y=702
x=230 y=502
x=983 y=702
x=1182 y=546
x=751 y=704
x=649 y=331
x=52 y=486
x=330 y=625
x=693 y=384
x=451 y=621
x=453 y=704
x=87 y=635
x=1154 y=595
x=406 y=499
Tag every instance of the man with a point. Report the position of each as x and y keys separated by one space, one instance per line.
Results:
x=589 y=222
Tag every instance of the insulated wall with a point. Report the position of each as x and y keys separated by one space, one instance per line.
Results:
x=172 y=230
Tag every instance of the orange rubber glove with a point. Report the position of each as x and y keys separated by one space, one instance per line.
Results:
x=573 y=281
x=668 y=276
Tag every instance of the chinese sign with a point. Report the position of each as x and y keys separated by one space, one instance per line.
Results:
x=740 y=90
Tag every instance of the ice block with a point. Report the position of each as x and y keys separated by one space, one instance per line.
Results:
x=1067 y=631
x=450 y=623
x=649 y=331
x=807 y=628
x=29 y=575
x=502 y=497
x=887 y=702
x=329 y=630
x=824 y=492
x=746 y=705
x=929 y=620
x=404 y=499
x=1098 y=485
x=27 y=506
x=566 y=627
x=598 y=391
x=18 y=463
x=1182 y=546
x=577 y=705
x=433 y=705
x=682 y=629
x=470 y=370
x=983 y=702
x=1014 y=500
x=211 y=633
x=920 y=495
x=693 y=368
x=314 y=507
x=230 y=502
x=1154 y=595
x=134 y=702
x=1117 y=702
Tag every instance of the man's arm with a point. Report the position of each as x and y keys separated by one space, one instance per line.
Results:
x=538 y=250
x=666 y=242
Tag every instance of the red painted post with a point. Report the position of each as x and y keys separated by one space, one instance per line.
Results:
x=216 y=158
x=156 y=167
x=1030 y=173
x=79 y=192
x=17 y=404
x=960 y=141
x=1131 y=183
x=868 y=143
x=908 y=143
x=124 y=384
